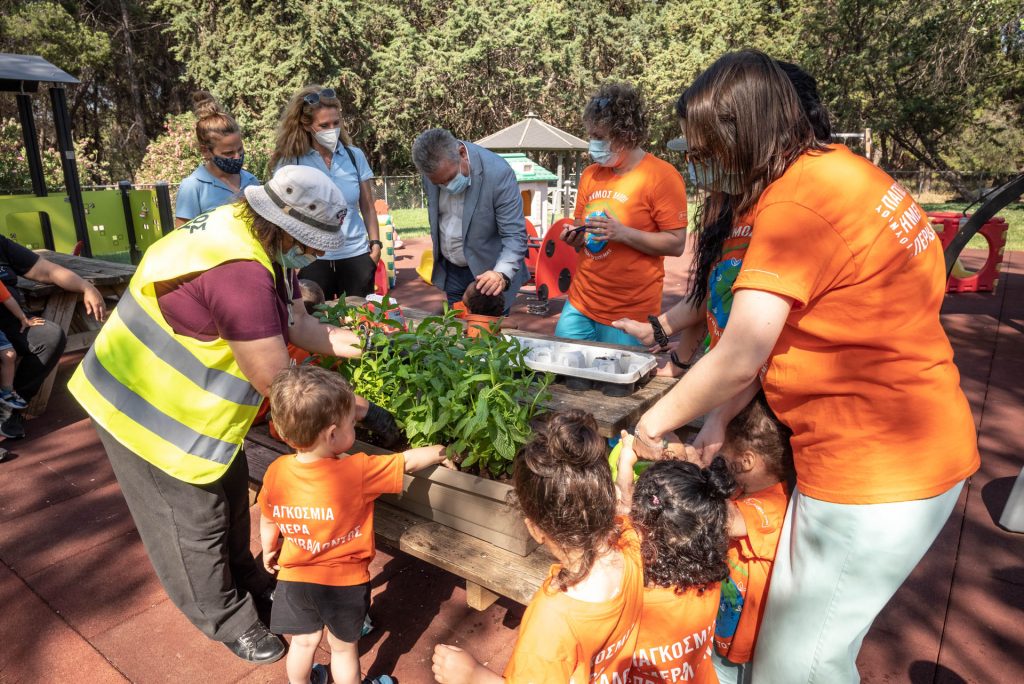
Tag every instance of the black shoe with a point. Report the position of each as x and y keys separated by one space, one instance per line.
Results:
x=257 y=645
x=13 y=427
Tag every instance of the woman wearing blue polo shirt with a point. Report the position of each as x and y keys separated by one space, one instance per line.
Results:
x=220 y=178
x=311 y=133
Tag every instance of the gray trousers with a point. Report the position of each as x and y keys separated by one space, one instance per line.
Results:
x=197 y=537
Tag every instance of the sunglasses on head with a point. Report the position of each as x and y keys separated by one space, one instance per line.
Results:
x=602 y=102
x=313 y=99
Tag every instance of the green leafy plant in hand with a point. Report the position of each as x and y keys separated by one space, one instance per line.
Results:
x=475 y=394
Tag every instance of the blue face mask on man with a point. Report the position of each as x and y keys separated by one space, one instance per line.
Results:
x=710 y=176
x=295 y=258
x=458 y=185
x=601 y=153
x=228 y=164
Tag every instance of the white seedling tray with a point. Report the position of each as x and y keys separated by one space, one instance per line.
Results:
x=584 y=361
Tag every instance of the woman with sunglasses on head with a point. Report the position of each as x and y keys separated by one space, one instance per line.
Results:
x=630 y=213
x=220 y=178
x=836 y=313
x=311 y=133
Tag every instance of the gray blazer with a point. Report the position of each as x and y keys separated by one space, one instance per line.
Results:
x=493 y=224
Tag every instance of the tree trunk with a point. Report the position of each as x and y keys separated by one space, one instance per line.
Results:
x=137 y=134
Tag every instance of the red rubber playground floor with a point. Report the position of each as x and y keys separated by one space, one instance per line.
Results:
x=79 y=600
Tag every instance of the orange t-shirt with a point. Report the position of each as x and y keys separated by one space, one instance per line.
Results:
x=565 y=640
x=619 y=281
x=676 y=636
x=863 y=372
x=750 y=565
x=325 y=512
x=5 y=294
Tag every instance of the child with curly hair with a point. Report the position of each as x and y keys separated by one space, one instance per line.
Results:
x=681 y=512
x=581 y=626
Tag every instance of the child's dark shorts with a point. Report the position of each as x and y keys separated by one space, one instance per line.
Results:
x=304 y=608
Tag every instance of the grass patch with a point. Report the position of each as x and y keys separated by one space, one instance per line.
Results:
x=411 y=222
x=1013 y=213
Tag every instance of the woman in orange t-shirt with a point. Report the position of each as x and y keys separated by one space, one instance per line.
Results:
x=836 y=312
x=582 y=624
x=634 y=208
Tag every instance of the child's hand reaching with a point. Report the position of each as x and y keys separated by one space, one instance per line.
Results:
x=424 y=457
x=452 y=665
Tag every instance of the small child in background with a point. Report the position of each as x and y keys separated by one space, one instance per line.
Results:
x=480 y=311
x=321 y=500
x=757 y=450
x=312 y=295
x=581 y=625
x=681 y=512
x=9 y=357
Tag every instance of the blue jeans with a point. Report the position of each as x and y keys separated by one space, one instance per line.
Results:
x=456 y=280
x=572 y=324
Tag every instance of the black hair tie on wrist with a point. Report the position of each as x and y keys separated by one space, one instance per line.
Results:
x=677 y=362
x=659 y=332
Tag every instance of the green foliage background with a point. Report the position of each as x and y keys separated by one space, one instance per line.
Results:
x=940 y=84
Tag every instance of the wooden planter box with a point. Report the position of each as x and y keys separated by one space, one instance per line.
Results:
x=464 y=502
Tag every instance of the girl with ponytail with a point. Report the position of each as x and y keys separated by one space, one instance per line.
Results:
x=311 y=133
x=682 y=514
x=582 y=624
x=220 y=178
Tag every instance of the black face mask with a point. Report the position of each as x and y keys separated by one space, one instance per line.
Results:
x=229 y=165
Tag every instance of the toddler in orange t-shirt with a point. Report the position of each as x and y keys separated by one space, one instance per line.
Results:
x=581 y=625
x=757 y=449
x=681 y=512
x=320 y=500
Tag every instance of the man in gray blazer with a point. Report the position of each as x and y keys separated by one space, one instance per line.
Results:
x=476 y=217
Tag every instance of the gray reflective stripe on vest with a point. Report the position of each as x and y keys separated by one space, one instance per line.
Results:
x=128 y=402
x=163 y=344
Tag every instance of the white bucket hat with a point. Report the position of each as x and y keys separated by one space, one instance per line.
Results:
x=303 y=202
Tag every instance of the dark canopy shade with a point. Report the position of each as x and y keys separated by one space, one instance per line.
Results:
x=533 y=135
x=24 y=72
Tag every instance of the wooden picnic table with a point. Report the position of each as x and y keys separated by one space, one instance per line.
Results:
x=67 y=310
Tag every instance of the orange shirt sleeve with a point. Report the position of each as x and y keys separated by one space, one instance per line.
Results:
x=5 y=294
x=580 y=212
x=763 y=518
x=382 y=474
x=668 y=200
x=794 y=253
x=265 y=490
x=545 y=649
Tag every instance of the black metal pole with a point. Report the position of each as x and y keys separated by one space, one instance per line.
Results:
x=30 y=137
x=129 y=220
x=58 y=97
x=996 y=200
x=163 y=204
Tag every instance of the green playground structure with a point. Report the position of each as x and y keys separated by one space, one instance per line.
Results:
x=116 y=224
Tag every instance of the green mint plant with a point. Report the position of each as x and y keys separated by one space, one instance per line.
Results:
x=475 y=394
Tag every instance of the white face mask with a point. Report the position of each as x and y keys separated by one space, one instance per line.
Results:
x=328 y=138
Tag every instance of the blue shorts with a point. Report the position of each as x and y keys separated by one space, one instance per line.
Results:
x=575 y=326
x=5 y=343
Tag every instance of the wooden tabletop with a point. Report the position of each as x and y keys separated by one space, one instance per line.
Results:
x=96 y=271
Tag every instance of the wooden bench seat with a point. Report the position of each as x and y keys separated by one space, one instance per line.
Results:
x=489 y=572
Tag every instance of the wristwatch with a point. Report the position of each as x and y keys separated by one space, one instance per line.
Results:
x=508 y=281
x=376 y=242
x=659 y=332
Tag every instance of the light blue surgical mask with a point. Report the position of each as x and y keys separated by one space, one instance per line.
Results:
x=710 y=176
x=295 y=258
x=601 y=153
x=457 y=185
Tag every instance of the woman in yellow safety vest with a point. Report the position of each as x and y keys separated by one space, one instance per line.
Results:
x=175 y=378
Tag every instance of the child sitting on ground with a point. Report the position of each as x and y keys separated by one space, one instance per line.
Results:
x=9 y=357
x=321 y=500
x=581 y=625
x=681 y=512
x=759 y=456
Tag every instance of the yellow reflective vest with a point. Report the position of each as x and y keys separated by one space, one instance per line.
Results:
x=181 y=404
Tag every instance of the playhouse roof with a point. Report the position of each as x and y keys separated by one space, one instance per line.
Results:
x=24 y=72
x=527 y=170
x=533 y=134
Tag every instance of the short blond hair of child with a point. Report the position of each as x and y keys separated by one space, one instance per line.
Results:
x=306 y=399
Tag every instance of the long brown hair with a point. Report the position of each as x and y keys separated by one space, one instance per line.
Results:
x=212 y=122
x=268 y=234
x=563 y=484
x=293 y=138
x=744 y=113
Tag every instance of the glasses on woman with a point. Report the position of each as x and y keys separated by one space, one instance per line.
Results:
x=313 y=99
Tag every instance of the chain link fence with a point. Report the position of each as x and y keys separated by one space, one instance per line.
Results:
x=400 y=192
